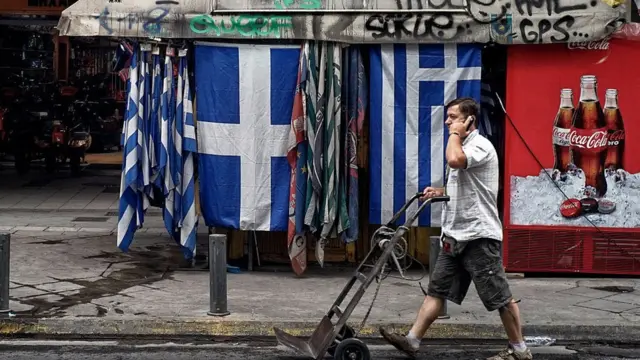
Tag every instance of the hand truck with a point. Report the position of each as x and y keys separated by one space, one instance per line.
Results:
x=339 y=339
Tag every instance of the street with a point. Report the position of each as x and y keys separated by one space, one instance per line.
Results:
x=107 y=350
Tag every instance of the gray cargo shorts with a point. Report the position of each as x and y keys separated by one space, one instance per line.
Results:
x=479 y=261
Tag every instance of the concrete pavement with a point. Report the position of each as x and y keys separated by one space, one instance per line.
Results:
x=69 y=279
x=78 y=283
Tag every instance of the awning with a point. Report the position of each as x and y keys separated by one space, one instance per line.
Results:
x=351 y=21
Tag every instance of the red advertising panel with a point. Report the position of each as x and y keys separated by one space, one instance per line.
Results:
x=572 y=166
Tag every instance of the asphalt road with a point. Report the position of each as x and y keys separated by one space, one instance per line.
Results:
x=32 y=350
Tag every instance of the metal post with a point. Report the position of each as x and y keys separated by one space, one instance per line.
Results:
x=5 y=241
x=218 y=275
x=434 y=251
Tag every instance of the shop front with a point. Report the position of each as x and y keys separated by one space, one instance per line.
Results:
x=380 y=163
x=66 y=82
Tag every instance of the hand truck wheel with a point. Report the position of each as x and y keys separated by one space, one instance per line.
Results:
x=346 y=332
x=352 y=349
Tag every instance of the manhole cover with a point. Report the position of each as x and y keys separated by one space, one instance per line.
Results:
x=615 y=289
x=89 y=219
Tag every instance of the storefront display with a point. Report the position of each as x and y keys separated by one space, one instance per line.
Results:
x=572 y=182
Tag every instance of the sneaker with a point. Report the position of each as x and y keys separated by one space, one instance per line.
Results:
x=400 y=342
x=510 y=354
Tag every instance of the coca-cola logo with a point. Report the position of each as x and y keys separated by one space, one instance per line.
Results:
x=589 y=45
x=615 y=137
x=561 y=135
x=596 y=139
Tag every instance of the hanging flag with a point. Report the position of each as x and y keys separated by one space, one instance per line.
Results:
x=166 y=138
x=297 y=156
x=409 y=87
x=356 y=97
x=245 y=99
x=130 y=215
x=144 y=113
x=189 y=218
x=155 y=119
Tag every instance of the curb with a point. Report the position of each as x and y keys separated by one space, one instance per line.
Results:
x=221 y=329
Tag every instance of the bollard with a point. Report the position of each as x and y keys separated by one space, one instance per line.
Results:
x=434 y=251
x=218 y=275
x=5 y=242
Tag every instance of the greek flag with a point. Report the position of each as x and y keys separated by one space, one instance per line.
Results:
x=167 y=106
x=132 y=199
x=409 y=87
x=245 y=100
x=156 y=115
x=185 y=147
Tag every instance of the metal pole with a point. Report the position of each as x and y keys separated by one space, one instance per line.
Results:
x=5 y=241
x=218 y=275
x=434 y=251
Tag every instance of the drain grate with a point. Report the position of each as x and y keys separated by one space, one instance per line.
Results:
x=111 y=213
x=89 y=219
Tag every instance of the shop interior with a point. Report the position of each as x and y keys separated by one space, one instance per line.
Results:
x=52 y=87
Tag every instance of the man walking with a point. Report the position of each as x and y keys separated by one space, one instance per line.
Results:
x=471 y=236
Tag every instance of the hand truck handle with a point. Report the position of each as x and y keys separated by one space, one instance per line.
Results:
x=415 y=197
x=411 y=219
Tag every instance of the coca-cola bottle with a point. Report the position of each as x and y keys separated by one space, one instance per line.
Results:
x=615 y=125
x=589 y=138
x=561 y=130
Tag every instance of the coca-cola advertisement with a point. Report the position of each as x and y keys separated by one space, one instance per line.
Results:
x=570 y=156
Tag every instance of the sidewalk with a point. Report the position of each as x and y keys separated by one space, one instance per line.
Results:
x=77 y=283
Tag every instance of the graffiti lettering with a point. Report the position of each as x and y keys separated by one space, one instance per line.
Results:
x=535 y=33
x=551 y=6
x=556 y=26
x=245 y=25
x=104 y=21
x=303 y=4
x=154 y=17
x=151 y=25
x=440 y=26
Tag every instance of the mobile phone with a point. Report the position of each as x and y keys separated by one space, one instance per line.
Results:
x=471 y=119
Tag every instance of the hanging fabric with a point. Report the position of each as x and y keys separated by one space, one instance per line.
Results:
x=297 y=157
x=186 y=147
x=167 y=104
x=355 y=101
x=159 y=145
x=131 y=209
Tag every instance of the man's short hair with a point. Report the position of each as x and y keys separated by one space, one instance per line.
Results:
x=467 y=106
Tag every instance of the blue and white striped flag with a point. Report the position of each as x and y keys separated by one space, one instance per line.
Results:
x=166 y=140
x=409 y=87
x=189 y=218
x=144 y=114
x=245 y=99
x=130 y=215
x=166 y=133
x=155 y=119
